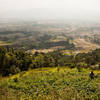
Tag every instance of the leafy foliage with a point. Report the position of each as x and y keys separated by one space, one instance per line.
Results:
x=13 y=61
x=49 y=84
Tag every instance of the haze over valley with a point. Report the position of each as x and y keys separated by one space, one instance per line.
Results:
x=49 y=49
x=50 y=35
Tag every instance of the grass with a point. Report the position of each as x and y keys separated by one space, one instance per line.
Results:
x=51 y=84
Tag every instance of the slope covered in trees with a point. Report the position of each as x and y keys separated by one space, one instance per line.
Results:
x=13 y=61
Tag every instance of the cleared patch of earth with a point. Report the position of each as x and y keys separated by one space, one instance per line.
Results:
x=45 y=50
x=2 y=43
x=82 y=44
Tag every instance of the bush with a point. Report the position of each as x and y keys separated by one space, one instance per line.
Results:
x=14 y=70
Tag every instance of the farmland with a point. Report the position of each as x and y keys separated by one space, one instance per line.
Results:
x=45 y=36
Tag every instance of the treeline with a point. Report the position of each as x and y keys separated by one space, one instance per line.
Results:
x=13 y=61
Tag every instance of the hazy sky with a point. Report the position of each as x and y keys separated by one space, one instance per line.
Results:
x=85 y=9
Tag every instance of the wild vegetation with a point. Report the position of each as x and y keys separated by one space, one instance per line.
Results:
x=51 y=84
x=14 y=61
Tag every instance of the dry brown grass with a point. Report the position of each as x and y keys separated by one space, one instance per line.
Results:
x=2 y=43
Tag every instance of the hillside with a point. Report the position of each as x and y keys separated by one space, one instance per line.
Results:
x=51 y=84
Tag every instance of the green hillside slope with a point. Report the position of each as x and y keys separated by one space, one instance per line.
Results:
x=51 y=84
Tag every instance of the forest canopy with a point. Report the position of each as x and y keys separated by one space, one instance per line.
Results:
x=13 y=61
